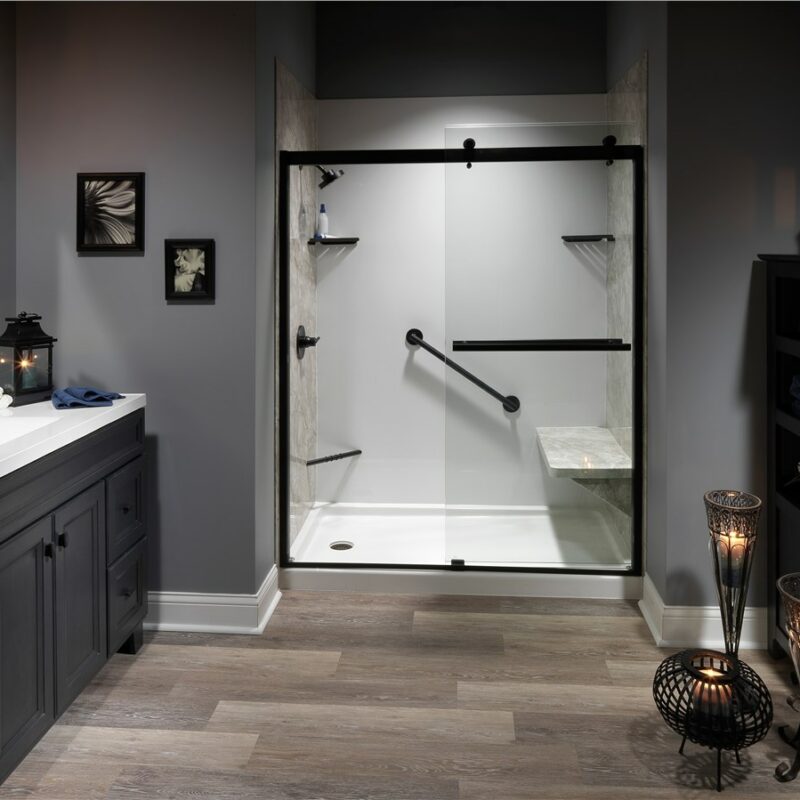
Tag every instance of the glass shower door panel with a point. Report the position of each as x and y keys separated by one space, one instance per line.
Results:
x=364 y=386
x=511 y=277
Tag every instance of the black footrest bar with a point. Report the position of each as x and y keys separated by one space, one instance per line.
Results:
x=335 y=457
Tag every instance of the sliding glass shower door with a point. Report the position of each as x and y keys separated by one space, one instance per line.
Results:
x=539 y=307
x=459 y=359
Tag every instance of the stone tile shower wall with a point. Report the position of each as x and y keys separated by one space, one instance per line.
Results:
x=296 y=129
x=627 y=111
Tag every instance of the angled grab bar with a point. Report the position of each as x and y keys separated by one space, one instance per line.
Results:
x=510 y=403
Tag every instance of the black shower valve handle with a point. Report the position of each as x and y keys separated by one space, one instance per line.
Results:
x=304 y=341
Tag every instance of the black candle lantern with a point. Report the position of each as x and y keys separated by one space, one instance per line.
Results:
x=714 y=700
x=733 y=529
x=26 y=360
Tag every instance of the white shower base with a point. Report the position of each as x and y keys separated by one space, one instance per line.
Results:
x=491 y=536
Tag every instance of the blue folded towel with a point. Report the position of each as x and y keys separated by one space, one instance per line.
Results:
x=83 y=397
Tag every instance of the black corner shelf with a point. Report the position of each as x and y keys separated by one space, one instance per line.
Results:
x=594 y=237
x=334 y=240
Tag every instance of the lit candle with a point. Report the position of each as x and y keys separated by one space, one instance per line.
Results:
x=731 y=549
x=28 y=372
x=710 y=697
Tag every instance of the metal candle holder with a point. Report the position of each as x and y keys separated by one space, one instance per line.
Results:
x=714 y=700
x=789 y=587
x=733 y=528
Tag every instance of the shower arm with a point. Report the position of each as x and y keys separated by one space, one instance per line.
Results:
x=510 y=403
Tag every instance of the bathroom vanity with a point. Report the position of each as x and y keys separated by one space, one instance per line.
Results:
x=72 y=557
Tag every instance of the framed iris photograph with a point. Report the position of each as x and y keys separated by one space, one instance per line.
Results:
x=110 y=212
x=189 y=269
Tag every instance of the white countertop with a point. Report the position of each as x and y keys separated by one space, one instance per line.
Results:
x=30 y=432
x=584 y=452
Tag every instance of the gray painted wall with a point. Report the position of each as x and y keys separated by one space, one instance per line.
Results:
x=733 y=170
x=168 y=89
x=728 y=151
x=632 y=29
x=285 y=31
x=8 y=156
x=434 y=49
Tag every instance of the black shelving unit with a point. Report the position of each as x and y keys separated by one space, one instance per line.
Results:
x=783 y=434
x=335 y=240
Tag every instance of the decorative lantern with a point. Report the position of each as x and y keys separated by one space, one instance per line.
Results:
x=733 y=527
x=26 y=360
x=789 y=587
x=714 y=700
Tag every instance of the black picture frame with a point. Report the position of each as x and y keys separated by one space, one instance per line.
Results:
x=105 y=223
x=177 y=286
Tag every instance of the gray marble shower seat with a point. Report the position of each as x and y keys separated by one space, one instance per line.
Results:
x=593 y=458
x=584 y=452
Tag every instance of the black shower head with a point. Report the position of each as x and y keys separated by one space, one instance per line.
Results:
x=329 y=175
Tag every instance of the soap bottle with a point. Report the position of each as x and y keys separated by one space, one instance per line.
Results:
x=322 y=223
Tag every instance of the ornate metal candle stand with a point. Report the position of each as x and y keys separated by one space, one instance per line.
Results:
x=789 y=587
x=733 y=527
x=714 y=700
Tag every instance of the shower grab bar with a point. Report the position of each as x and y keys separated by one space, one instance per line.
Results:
x=487 y=345
x=335 y=457
x=510 y=403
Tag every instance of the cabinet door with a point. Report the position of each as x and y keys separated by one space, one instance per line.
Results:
x=26 y=641
x=80 y=593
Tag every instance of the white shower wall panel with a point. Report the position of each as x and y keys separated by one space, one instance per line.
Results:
x=458 y=254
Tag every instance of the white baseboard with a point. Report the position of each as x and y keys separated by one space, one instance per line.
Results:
x=432 y=581
x=214 y=613
x=697 y=626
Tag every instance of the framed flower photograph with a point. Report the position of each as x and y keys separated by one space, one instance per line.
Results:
x=110 y=212
x=189 y=269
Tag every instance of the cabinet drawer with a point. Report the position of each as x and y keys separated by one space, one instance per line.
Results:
x=125 y=508
x=127 y=595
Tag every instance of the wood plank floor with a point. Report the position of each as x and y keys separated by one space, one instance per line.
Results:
x=393 y=697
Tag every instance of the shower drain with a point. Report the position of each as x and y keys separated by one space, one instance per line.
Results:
x=341 y=545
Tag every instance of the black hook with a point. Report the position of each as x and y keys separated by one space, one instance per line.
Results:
x=469 y=144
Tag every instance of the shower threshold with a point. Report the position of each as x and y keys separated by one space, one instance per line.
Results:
x=406 y=535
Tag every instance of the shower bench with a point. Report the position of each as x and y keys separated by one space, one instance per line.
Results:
x=593 y=458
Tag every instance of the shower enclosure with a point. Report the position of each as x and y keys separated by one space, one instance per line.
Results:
x=460 y=360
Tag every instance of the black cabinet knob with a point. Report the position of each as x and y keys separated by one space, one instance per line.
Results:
x=48 y=551
x=125 y=509
x=127 y=592
x=63 y=540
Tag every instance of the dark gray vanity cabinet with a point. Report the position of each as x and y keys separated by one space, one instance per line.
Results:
x=73 y=576
x=26 y=642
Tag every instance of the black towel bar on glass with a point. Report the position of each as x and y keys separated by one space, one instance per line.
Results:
x=510 y=402
x=493 y=345
x=591 y=237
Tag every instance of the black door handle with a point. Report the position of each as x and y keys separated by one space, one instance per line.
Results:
x=63 y=540
x=48 y=551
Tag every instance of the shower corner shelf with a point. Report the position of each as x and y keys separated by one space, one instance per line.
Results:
x=334 y=240
x=583 y=452
x=594 y=237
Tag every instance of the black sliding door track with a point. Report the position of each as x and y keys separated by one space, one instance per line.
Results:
x=285 y=349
